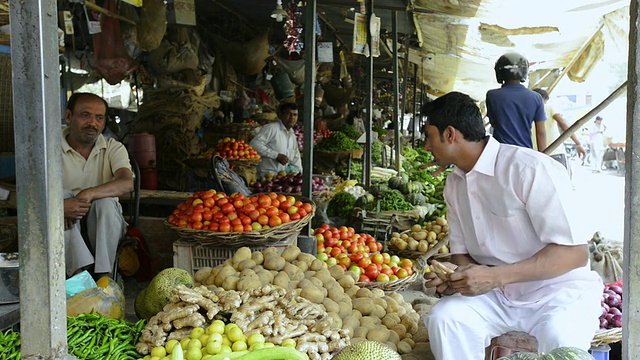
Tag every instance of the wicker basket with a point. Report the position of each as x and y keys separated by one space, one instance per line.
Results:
x=418 y=271
x=414 y=254
x=250 y=238
x=607 y=336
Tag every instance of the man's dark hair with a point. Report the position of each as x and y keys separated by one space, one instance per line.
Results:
x=457 y=110
x=598 y=117
x=71 y=103
x=543 y=93
x=287 y=106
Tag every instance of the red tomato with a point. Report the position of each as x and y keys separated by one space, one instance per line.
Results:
x=275 y=221
x=196 y=217
x=284 y=217
x=214 y=226
x=294 y=217
x=253 y=215
x=238 y=228
x=228 y=208
x=372 y=271
x=207 y=215
x=224 y=228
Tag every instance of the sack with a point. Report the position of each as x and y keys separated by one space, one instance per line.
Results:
x=112 y=60
x=152 y=26
x=226 y=180
x=606 y=258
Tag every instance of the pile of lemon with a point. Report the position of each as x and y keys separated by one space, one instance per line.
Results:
x=217 y=338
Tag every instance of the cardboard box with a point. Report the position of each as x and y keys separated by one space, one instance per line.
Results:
x=181 y=12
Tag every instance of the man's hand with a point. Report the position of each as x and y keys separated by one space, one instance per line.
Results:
x=581 y=153
x=68 y=223
x=282 y=159
x=442 y=287
x=472 y=280
x=75 y=209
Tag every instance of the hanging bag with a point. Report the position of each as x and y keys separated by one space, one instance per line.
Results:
x=225 y=180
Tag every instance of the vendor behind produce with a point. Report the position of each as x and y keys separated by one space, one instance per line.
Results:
x=277 y=144
x=520 y=262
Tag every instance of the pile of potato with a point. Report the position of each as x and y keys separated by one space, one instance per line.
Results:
x=364 y=314
x=422 y=238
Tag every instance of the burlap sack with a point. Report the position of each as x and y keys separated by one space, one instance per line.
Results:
x=152 y=26
x=247 y=58
x=606 y=258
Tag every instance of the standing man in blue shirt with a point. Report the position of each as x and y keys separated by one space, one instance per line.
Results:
x=513 y=109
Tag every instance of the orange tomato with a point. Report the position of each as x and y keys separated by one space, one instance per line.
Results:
x=263 y=220
x=284 y=217
x=275 y=221
x=224 y=228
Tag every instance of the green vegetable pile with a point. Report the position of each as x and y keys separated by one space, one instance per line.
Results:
x=341 y=205
x=382 y=132
x=9 y=345
x=393 y=200
x=376 y=152
x=414 y=159
x=350 y=131
x=337 y=142
x=92 y=336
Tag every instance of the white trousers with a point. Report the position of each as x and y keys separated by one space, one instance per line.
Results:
x=461 y=327
x=105 y=227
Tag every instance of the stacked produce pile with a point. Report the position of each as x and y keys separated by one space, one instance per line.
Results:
x=290 y=299
x=213 y=211
x=337 y=142
x=360 y=254
x=232 y=149
x=422 y=238
x=286 y=183
x=611 y=307
x=89 y=336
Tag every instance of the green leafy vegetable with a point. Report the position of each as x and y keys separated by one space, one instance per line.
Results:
x=337 y=142
x=341 y=205
x=350 y=131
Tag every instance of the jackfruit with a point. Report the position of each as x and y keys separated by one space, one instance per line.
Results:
x=367 y=350
x=153 y=298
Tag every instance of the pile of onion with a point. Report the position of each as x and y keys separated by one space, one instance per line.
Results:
x=611 y=307
x=289 y=184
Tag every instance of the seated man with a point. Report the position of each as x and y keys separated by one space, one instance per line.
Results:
x=520 y=262
x=95 y=172
x=277 y=143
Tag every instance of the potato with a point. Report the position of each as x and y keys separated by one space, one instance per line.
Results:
x=223 y=273
x=336 y=271
x=308 y=258
x=378 y=311
x=379 y=333
x=402 y=245
x=404 y=237
x=423 y=246
x=245 y=264
x=345 y=309
x=248 y=272
x=364 y=305
x=265 y=276
x=410 y=324
x=303 y=266
x=258 y=257
x=436 y=229
x=230 y=283
x=270 y=250
x=291 y=253
x=335 y=292
x=293 y=284
x=351 y=291
x=390 y=321
x=422 y=335
x=346 y=282
x=305 y=283
x=412 y=244
x=282 y=280
x=323 y=275
x=202 y=274
x=395 y=234
x=312 y=294
x=404 y=347
x=293 y=271
x=243 y=253
x=309 y=274
x=392 y=305
x=432 y=237
x=441 y=221
x=380 y=301
x=393 y=337
x=377 y=293
x=393 y=347
x=336 y=320
x=369 y=321
x=330 y=305
x=228 y=262
x=399 y=329
x=420 y=235
x=364 y=293
x=248 y=283
x=317 y=282
x=361 y=332
x=357 y=340
x=416 y=228
x=317 y=265
x=273 y=261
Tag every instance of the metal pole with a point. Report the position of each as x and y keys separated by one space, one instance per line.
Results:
x=583 y=120
x=36 y=112
x=366 y=165
x=631 y=273
x=396 y=88
x=309 y=95
x=415 y=105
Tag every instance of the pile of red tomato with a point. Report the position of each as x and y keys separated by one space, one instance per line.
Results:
x=232 y=149
x=216 y=211
x=360 y=253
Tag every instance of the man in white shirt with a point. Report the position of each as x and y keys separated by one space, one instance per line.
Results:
x=277 y=144
x=520 y=263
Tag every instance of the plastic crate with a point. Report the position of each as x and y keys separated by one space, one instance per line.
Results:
x=192 y=256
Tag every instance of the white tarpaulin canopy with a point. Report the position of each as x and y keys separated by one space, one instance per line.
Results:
x=462 y=39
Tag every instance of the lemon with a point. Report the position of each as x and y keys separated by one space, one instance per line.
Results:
x=255 y=338
x=228 y=327
x=154 y=358
x=195 y=343
x=193 y=353
x=269 y=345
x=216 y=327
x=225 y=349
x=239 y=346
x=289 y=343
x=197 y=332
x=204 y=339
x=170 y=344
x=185 y=343
x=235 y=334
x=206 y=357
x=256 y=346
x=148 y=357
x=103 y=282
x=226 y=341
x=213 y=347
x=214 y=337
x=158 y=351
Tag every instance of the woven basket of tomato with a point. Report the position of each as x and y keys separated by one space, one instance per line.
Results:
x=216 y=219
